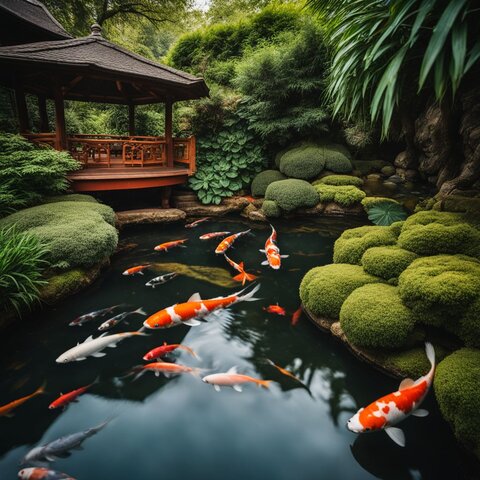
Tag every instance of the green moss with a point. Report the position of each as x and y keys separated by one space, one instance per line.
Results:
x=330 y=285
x=396 y=227
x=339 y=180
x=304 y=162
x=373 y=316
x=345 y=195
x=457 y=388
x=369 y=166
x=337 y=158
x=271 y=209
x=292 y=194
x=369 y=202
x=263 y=180
x=353 y=243
x=308 y=277
x=72 y=197
x=387 y=262
x=63 y=285
x=468 y=328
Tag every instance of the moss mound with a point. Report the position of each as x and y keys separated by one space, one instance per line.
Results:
x=337 y=158
x=263 y=180
x=304 y=162
x=339 y=180
x=345 y=195
x=457 y=388
x=468 y=329
x=373 y=316
x=76 y=233
x=327 y=288
x=72 y=197
x=271 y=209
x=292 y=194
x=369 y=202
x=387 y=262
x=353 y=243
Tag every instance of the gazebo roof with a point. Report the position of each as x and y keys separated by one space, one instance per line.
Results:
x=27 y=21
x=94 y=69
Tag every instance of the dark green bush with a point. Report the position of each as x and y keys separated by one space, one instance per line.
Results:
x=345 y=195
x=373 y=316
x=339 y=180
x=387 y=262
x=304 y=162
x=468 y=328
x=337 y=158
x=263 y=180
x=271 y=209
x=292 y=194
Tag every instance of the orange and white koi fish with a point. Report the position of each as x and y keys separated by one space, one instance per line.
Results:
x=226 y=243
x=296 y=316
x=243 y=276
x=65 y=398
x=6 y=410
x=209 y=236
x=274 y=259
x=159 y=352
x=233 y=379
x=163 y=247
x=42 y=473
x=277 y=309
x=195 y=307
x=391 y=409
x=196 y=223
x=134 y=270
x=166 y=368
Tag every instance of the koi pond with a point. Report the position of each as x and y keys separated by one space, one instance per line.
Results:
x=179 y=427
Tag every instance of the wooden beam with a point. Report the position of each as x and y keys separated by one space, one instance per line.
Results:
x=21 y=105
x=71 y=84
x=131 y=119
x=60 y=129
x=42 y=110
x=169 y=132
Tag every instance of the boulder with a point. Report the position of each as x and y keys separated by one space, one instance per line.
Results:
x=149 y=215
x=334 y=209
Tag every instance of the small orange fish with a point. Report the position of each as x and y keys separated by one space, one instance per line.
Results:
x=243 y=276
x=249 y=198
x=277 y=309
x=209 y=236
x=226 y=243
x=163 y=247
x=283 y=371
x=6 y=410
x=166 y=368
x=165 y=349
x=196 y=223
x=296 y=316
x=64 y=399
x=134 y=270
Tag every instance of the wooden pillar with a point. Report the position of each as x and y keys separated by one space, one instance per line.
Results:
x=165 y=193
x=131 y=120
x=169 y=131
x=60 y=129
x=42 y=110
x=21 y=105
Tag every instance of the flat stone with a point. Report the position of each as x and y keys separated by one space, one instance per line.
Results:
x=374 y=176
x=388 y=170
x=395 y=179
x=228 y=205
x=334 y=209
x=257 y=216
x=149 y=215
x=316 y=210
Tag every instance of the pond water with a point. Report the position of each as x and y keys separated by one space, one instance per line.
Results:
x=181 y=427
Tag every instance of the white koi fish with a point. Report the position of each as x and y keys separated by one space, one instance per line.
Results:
x=233 y=379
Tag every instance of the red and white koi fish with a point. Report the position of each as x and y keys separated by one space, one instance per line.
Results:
x=42 y=473
x=196 y=223
x=243 y=276
x=277 y=309
x=391 y=409
x=195 y=307
x=166 y=368
x=165 y=349
x=163 y=247
x=209 y=236
x=134 y=270
x=274 y=259
x=226 y=243
x=88 y=317
x=296 y=316
x=233 y=379
x=6 y=410
x=65 y=398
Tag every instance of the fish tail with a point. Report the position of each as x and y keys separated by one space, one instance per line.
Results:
x=196 y=372
x=41 y=389
x=189 y=350
x=140 y=311
x=264 y=383
x=430 y=352
x=140 y=331
x=248 y=297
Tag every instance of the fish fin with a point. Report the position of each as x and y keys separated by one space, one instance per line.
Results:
x=192 y=322
x=265 y=262
x=284 y=256
x=98 y=354
x=406 y=383
x=237 y=388
x=183 y=246
x=88 y=339
x=233 y=370
x=248 y=297
x=157 y=374
x=241 y=264
x=80 y=359
x=112 y=345
x=168 y=374
x=430 y=352
x=140 y=311
x=195 y=298
x=262 y=250
x=397 y=435
x=420 y=412
x=217 y=388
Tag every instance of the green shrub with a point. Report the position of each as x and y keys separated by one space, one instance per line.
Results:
x=292 y=194
x=373 y=316
x=387 y=262
x=75 y=233
x=432 y=232
x=339 y=180
x=457 y=389
x=71 y=197
x=303 y=162
x=353 y=243
x=345 y=195
x=330 y=285
x=307 y=278
x=271 y=209
x=369 y=202
x=22 y=260
x=263 y=180
x=337 y=158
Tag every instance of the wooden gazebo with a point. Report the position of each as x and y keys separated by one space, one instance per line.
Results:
x=93 y=69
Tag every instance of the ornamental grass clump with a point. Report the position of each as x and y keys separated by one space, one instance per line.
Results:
x=292 y=194
x=263 y=180
x=345 y=195
x=387 y=262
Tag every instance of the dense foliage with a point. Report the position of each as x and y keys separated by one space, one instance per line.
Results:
x=387 y=262
x=291 y=194
x=263 y=180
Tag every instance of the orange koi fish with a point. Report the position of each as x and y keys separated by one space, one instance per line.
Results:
x=165 y=349
x=166 y=368
x=196 y=223
x=163 y=247
x=226 y=243
x=42 y=473
x=296 y=316
x=274 y=259
x=283 y=371
x=249 y=198
x=277 y=309
x=64 y=399
x=134 y=270
x=6 y=410
x=209 y=236
x=233 y=379
x=391 y=409
x=243 y=276
x=195 y=307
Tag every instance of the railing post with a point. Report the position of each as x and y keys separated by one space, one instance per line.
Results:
x=169 y=131
x=131 y=119
x=192 y=152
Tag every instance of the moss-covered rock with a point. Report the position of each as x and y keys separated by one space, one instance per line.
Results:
x=457 y=388
x=387 y=262
x=304 y=162
x=369 y=202
x=458 y=203
x=353 y=243
x=263 y=180
x=71 y=197
x=396 y=227
x=345 y=195
x=468 y=328
x=291 y=194
x=326 y=288
x=337 y=158
x=369 y=166
x=271 y=209
x=339 y=180
x=374 y=316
